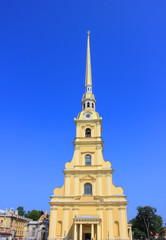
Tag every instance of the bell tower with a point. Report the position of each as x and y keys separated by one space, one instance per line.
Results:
x=88 y=205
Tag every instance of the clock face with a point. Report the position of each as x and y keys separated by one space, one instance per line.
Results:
x=88 y=115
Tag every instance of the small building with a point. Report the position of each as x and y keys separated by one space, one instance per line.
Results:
x=38 y=230
x=12 y=225
x=5 y=236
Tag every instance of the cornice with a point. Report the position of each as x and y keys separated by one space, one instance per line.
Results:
x=91 y=203
x=94 y=196
x=87 y=171
x=87 y=142
x=87 y=120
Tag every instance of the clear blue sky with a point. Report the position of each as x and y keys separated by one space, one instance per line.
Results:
x=42 y=75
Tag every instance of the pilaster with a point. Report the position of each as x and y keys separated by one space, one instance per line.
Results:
x=98 y=129
x=99 y=184
x=123 y=223
x=82 y=188
x=94 y=187
x=100 y=227
x=53 y=221
x=77 y=148
x=108 y=176
x=110 y=228
x=98 y=155
x=65 y=222
x=67 y=185
x=76 y=185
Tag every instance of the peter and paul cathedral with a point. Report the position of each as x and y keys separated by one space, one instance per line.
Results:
x=88 y=205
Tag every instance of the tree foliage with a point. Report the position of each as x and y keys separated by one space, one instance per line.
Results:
x=21 y=211
x=147 y=223
x=34 y=214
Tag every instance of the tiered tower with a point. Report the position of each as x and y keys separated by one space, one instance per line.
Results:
x=88 y=206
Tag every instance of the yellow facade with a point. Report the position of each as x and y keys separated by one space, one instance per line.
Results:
x=11 y=222
x=88 y=206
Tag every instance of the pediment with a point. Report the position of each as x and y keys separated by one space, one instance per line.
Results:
x=88 y=177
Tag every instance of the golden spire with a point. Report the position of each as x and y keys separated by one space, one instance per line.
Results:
x=88 y=79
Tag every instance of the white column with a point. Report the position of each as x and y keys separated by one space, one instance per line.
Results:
x=80 y=231
x=98 y=231
x=38 y=234
x=53 y=221
x=27 y=233
x=75 y=231
x=108 y=184
x=92 y=231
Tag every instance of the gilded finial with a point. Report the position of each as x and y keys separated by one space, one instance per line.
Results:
x=88 y=32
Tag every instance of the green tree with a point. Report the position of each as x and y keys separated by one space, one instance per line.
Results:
x=34 y=214
x=21 y=211
x=146 y=222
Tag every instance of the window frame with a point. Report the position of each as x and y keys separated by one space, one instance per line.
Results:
x=88 y=160
x=88 y=189
x=88 y=134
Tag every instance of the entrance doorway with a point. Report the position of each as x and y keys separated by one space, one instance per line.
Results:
x=87 y=236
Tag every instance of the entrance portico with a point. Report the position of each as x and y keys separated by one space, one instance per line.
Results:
x=86 y=228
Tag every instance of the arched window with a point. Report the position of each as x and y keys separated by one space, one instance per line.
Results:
x=84 y=105
x=88 y=189
x=59 y=230
x=88 y=132
x=88 y=160
x=43 y=234
x=33 y=232
x=88 y=104
x=116 y=228
x=92 y=105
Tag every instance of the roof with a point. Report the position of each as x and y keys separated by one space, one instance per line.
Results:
x=44 y=217
x=5 y=233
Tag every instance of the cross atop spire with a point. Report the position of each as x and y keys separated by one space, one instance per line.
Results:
x=88 y=32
